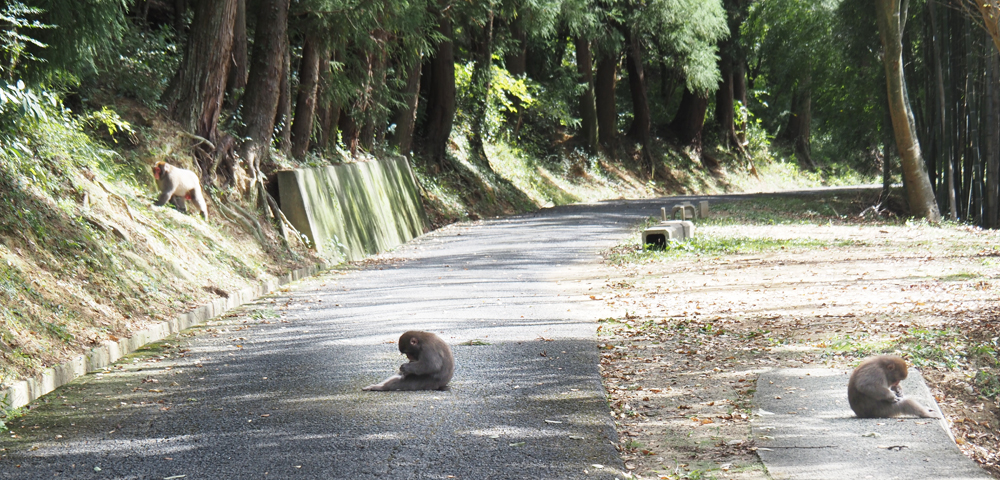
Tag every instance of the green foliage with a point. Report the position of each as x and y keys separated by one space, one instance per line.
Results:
x=19 y=102
x=109 y=119
x=758 y=139
x=526 y=173
x=790 y=41
x=8 y=414
x=830 y=48
x=140 y=66
x=507 y=96
x=21 y=110
x=45 y=141
x=375 y=44
x=81 y=33
x=17 y=20
x=943 y=348
x=686 y=33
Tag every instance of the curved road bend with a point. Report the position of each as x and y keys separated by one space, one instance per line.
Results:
x=276 y=392
x=281 y=398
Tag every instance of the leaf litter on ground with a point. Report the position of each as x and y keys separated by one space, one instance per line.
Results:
x=697 y=325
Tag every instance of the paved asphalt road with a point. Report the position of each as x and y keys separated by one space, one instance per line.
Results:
x=276 y=392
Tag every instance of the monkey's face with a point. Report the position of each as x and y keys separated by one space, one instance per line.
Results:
x=895 y=371
x=160 y=170
x=410 y=347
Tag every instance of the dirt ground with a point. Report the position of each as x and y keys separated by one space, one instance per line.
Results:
x=693 y=329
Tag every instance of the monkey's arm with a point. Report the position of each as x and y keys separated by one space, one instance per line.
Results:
x=897 y=389
x=428 y=364
x=877 y=390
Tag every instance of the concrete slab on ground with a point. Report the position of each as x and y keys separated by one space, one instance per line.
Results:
x=807 y=430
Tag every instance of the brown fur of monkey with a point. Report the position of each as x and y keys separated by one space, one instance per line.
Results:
x=430 y=367
x=874 y=391
x=177 y=185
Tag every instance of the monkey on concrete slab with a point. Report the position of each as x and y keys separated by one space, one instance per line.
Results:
x=177 y=185
x=874 y=391
x=430 y=367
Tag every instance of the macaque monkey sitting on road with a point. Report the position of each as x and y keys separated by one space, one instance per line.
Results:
x=874 y=391
x=177 y=185
x=430 y=367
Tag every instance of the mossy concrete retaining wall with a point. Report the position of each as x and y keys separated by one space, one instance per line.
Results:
x=355 y=209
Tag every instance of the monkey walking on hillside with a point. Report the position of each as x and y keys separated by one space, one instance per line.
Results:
x=430 y=367
x=874 y=391
x=177 y=185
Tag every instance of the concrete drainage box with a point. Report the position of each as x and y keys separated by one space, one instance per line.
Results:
x=659 y=235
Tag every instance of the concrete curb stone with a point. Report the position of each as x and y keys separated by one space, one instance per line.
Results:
x=806 y=430
x=23 y=392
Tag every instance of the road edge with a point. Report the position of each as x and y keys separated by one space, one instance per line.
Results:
x=22 y=392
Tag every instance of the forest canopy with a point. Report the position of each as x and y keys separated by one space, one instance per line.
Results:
x=905 y=89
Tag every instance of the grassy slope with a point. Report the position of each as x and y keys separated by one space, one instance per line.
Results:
x=85 y=257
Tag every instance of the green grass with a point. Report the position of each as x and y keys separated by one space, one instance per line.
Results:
x=791 y=210
x=961 y=277
x=784 y=174
x=706 y=246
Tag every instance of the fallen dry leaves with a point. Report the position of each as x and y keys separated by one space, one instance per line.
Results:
x=681 y=357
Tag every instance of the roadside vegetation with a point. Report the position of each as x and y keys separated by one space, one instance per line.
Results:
x=500 y=107
x=796 y=281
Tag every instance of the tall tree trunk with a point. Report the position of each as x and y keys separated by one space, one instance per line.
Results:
x=973 y=96
x=329 y=116
x=406 y=116
x=283 y=114
x=588 y=110
x=689 y=120
x=305 y=101
x=641 y=117
x=516 y=58
x=329 y=109
x=349 y=130
x=919 y=193
x=740 y=94
x=373 y=129
x=725 y=117
x=957 y=133
x=604 y=98
x=260 y=102
x=180 y=9
x=797 y=132
x=992 y=192
x=441 y=95
x=516 y=62
x=194 y=97
x=732 y=89
x=732 y=58
x=939 y=106
x=239 y=69
x=481 y=82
